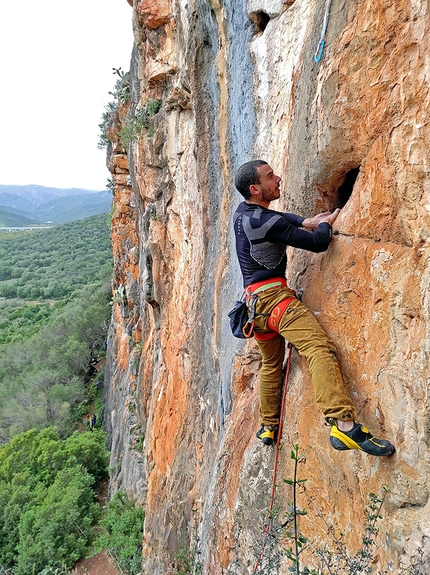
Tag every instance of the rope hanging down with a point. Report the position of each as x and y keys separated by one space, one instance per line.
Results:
x=320 y=48
x=277 y=450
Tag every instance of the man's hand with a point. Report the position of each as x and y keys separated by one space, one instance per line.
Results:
x=313 y=223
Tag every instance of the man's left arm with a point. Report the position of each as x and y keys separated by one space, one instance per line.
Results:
x=290 y=231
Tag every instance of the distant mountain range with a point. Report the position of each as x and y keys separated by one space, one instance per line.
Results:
x=32 y=205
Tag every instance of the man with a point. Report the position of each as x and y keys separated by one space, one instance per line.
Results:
x=262 y=236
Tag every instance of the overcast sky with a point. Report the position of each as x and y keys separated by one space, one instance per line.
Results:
x=56 y=74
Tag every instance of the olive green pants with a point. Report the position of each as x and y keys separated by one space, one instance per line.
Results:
x=302 y=330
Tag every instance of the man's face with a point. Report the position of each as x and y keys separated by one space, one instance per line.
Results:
x=269 y=183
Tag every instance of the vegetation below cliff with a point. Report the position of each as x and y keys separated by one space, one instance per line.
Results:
x=50 y=514
x=47 y=498
x=54 y=323
x=54 y=317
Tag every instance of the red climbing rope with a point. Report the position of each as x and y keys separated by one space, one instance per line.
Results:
x=277 y=450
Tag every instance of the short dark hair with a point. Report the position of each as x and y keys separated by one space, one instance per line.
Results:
x=247 y=175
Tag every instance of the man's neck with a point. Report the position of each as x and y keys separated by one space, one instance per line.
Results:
x=258 y=203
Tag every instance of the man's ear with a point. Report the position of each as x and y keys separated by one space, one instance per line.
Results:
x=253 y=189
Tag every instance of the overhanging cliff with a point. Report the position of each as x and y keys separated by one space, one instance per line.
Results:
x=237 y=80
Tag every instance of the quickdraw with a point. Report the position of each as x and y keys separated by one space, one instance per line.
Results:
x=320 y=48
x=248 y=328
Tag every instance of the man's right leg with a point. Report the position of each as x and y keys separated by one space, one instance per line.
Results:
x=272 y=354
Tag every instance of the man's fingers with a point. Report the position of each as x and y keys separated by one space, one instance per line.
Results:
x=333 y=216
x=328 y=217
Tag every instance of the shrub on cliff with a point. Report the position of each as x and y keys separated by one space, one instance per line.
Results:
x=293 y=540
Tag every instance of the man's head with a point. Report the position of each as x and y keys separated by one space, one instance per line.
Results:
x=258 y=183
x=246 y=176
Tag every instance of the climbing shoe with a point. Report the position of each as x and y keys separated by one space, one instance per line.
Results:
x=267 y=434
x=359 y=438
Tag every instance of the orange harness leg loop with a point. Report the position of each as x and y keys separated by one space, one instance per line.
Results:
x=265 y=336
x=274 y=319
x=277 y=313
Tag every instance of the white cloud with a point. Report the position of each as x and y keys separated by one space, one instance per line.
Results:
x=56 y=67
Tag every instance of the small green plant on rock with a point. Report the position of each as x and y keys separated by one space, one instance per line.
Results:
x=134 y=126
x=140 y=443
x=104 y=141
x=142 y=120
x=121 y=94
x=122 y=86
x=110 y=185
x=120 y=294
x=153 y=107
x=288 y=540
x=188 y=556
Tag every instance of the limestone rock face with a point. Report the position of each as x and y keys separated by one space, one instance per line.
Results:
x=237 y=80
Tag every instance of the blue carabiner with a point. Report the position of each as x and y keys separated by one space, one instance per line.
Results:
x=319 y=51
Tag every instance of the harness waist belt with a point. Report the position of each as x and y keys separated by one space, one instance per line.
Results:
x=258 y=287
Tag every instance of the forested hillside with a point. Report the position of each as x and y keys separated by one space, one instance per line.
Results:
x=12 y=219
x=54 y=315
x=40 y=270
x=20 y=205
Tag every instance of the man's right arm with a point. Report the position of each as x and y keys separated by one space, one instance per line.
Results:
x=328 y=217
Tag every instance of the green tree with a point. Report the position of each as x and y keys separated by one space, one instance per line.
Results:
x=57 y=531
x=47 y=507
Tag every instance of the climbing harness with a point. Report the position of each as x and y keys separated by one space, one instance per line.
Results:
x=274 y=317
x=277 y=450
x=320 y=48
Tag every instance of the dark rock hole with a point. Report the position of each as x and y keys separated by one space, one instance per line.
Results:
x=260 y=19
x=344 y=191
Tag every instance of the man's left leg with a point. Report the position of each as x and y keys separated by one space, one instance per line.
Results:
x=299 y=326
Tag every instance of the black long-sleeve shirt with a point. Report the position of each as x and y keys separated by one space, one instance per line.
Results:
x=262 y=236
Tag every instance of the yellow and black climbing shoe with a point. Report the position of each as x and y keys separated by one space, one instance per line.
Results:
x=359 y=438
x=267 y=434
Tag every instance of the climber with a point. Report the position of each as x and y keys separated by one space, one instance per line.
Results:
x=262 y=236
x=90 y=421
